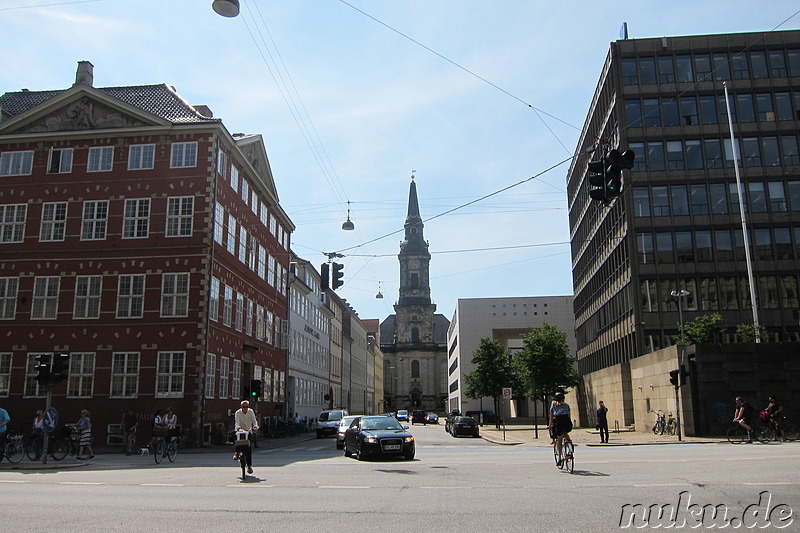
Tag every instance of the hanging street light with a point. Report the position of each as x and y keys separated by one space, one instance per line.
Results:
x=226 y=8
x=348 y=225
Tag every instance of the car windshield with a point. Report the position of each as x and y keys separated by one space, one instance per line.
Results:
x=330 y=417
x=382 y=423
x=346 y=421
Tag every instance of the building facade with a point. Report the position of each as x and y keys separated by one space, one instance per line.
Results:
x=142 y=239
x=504 y=320
x=677 y=229
x=414 y=339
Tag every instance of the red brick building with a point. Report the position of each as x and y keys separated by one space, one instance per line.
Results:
x=141 y=238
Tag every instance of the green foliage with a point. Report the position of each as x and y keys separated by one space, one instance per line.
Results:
x=747 y=333
x=492 y=372
x=544 y=365
x=703 y=330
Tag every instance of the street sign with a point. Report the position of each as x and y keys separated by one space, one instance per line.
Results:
x=507 y=393
x=50 y=419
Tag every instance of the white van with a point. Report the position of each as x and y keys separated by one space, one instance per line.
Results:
x=328 y=422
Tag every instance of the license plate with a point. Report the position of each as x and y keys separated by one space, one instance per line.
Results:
x=392 y=447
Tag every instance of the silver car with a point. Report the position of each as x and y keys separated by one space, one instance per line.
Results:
x=328 y=422
x=343 y=425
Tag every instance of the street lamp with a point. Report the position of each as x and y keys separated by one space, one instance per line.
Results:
x=680 y=294
x=226 y=8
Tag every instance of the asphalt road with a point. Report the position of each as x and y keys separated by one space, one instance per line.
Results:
x=452 y=485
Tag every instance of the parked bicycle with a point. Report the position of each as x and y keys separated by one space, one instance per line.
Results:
x=14 y=448
x=665 y=424
x=566 y=459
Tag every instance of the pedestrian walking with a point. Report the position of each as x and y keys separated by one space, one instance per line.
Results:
x=37 y=434
x=4 y=420
x=130 y=422
x=602 y=421
x=85 y=445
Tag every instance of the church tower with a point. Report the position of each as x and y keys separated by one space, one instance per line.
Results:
x=414 y=308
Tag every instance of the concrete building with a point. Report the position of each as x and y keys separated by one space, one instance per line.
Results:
x=677 y=228
x=141 y=238
x=414 y=339
x=308 y=366
x=504 y=320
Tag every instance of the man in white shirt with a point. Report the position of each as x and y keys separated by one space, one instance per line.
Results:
x=245 y=420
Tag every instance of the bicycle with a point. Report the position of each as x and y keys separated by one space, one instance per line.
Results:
x=565 y=460
x=64 y=443
x=166 y=447
x=672 y=425
x=242 y=440
x=776 y=425
x=737 y=434
x=661 y=423
x=13 y=450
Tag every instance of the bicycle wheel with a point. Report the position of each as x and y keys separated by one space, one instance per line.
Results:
x=30 y=449
x=59 y=448
x=671 y=426
x=172 y=451
x=159 y=453
x=656 y=428
x=243 y=464
x=791 y=432
x=14 y=451
x=569 y=457
x=555 y=453
x=736 y=434
x=764 y=435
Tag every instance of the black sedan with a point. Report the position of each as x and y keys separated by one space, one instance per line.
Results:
x=464 y=425
x=378 y=436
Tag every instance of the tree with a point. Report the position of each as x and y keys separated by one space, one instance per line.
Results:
x=747 y=333
x=703 y=329
x=492 y=372
x=544 y=365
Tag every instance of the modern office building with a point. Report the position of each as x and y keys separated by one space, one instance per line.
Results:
x=504 y=320
x=676 y=229
x=142 y=239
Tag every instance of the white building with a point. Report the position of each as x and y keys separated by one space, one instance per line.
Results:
x=504 y=320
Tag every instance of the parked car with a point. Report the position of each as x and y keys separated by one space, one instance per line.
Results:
x=432 y=418
x=328 y=422
x=418 y=416
x=402 y=414
x=449 y=420
x=344 y=423
x=378 y=436
x=464 y=425
x=488 y=416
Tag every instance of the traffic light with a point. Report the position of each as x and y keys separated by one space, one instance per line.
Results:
x=255 y=389
x=338 y=274
x=674 y=376
x=325 y=277
x=42 y=368
x=597 y=178
x=616 y=162
x=683 y=375
x=60 y=369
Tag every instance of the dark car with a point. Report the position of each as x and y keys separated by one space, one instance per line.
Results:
x=378 y=436
x=455 y=413
x=488 y=416
x=418 y=416
x=464 y=425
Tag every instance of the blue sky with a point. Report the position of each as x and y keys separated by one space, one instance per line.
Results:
x=350 y=97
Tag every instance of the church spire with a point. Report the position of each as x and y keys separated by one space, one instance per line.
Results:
x=414 y=241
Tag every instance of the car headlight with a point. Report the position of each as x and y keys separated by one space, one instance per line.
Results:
x=371 y=439
x=409 y=439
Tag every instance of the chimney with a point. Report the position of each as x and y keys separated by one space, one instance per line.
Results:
x=85 y=74
x=204 y=110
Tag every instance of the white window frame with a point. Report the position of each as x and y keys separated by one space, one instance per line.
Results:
x=80 y=383
x=248 y=326
x=101 y=159
x=125 y=375
x=227 y=306
x=222 y=163
x=54 y=222
x=95 y=220
x=234 y=178
x=213 y=300
x=242 y=244
x=60 y=161
x=266 y=387
x=16 y=163
x=136 y=220
x=231 y=246
x=224 y=377
x=12 y=222
x=180 y=216
x=245 y=191
x=45 y=298
x=141 y=156
x=9 y=287
x=211 y=374
x=239 y=311
x=5 y=374
x=88 y=293
x=32 y=388
x=170 y=374
x=236 y=379
x=175 y=294
x=219 y=224
x=129 y=294
x=183 y=155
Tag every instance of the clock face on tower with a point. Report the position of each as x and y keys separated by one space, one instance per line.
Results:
x=414 y=263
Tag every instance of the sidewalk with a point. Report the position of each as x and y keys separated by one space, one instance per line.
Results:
x=515 y=435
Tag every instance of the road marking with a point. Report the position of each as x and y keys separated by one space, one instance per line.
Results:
x=774 y=483
x=80 y=483
x=344 y=487
x=664 y=485
x=443 y=487
x=250 y=485
x=13 y=481
x=162 y=484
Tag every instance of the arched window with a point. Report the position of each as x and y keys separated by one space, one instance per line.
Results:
x=414 y=368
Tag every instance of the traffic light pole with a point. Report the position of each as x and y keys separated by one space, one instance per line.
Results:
x=678 y=411
x=46 y=436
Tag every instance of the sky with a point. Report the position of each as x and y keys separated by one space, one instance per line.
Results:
x=483 y=102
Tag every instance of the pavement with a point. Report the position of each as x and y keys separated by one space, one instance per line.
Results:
x=524 y=435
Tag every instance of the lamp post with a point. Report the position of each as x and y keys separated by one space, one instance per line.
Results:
x=679 y=295
x=681 y=356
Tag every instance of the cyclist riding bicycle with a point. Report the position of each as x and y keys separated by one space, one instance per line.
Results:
x=245 y=420
x=773 y=410
x=561 y=421
x=744 y=415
